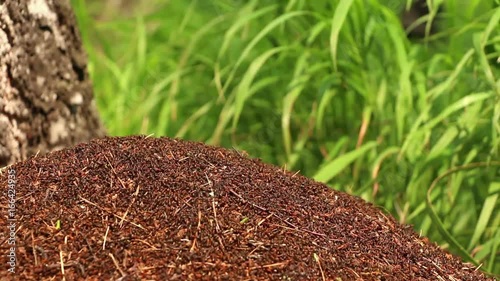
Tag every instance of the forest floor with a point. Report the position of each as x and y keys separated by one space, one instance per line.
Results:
x=138 y=208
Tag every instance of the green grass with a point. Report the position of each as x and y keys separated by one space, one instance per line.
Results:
x=331 y=88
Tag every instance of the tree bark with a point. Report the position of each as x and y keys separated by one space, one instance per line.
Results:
x=46 y=93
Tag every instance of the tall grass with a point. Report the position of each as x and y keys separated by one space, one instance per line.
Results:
x=331 y=88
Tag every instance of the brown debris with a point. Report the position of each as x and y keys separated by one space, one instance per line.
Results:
x=139 y=208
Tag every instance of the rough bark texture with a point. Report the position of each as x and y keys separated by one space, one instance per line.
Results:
x=46 y=94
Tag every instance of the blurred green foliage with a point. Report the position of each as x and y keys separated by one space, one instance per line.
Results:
x=334 y=89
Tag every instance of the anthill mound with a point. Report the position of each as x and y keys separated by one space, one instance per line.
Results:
x=140 y=208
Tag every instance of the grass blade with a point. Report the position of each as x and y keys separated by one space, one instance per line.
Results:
x=330 y=170
x=337 y=23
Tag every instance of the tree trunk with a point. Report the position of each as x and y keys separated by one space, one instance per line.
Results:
x=46 y=93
